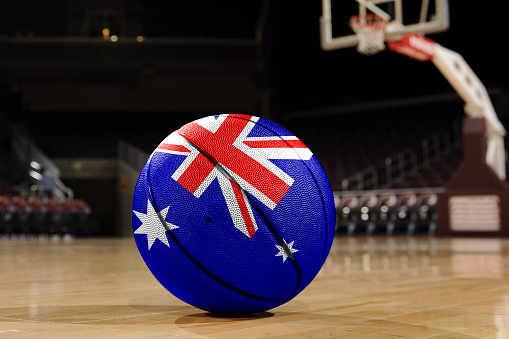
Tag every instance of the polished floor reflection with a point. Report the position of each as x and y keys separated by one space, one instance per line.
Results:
x=394 y=287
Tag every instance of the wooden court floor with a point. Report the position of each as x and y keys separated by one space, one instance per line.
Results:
x=368 y=288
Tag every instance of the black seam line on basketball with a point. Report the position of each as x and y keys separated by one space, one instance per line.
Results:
x=273 y=231
x=197 y=263
x=217 y=165
x=324 y=211
x=271 y=228
x=279 y=238
x=322 y=260
x=324 y=256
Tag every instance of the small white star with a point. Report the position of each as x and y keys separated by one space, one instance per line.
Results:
x=151 y=225
x=284 y=253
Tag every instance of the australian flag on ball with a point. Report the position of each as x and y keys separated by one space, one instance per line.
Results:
x=233 y=213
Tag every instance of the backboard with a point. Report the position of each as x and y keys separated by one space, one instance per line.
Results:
x=403 y=17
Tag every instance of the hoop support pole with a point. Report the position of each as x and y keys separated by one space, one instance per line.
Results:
x=478 y=103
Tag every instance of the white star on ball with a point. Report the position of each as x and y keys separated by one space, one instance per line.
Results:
x=152 y=225
x=285 y=253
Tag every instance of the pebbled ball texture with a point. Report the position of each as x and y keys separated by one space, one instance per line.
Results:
x=233 y=213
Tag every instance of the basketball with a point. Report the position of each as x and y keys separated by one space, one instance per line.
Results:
x=233 y=213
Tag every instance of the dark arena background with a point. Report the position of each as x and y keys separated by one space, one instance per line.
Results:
x=88 y=89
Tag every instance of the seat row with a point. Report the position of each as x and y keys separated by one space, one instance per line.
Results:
x=346 y=144
x=34 y=216
x=387 y=213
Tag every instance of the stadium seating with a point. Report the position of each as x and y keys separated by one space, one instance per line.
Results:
x=406 y=213
x=348 y=143
x=426 y=219
x=344 y=143
x=24 y=213
x=435 y=173
x=366 y=214
x=385 y=213
x=398 y=212
x=37 y=217
x=7 y=216
x=347 y=213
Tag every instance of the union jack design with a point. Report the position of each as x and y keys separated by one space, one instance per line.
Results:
x=219 y=147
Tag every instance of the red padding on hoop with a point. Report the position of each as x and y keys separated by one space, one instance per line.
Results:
x=414 y=46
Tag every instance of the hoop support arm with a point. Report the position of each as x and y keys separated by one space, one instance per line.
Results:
x=477 y=102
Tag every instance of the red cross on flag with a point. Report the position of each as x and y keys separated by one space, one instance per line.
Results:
x=219 y=147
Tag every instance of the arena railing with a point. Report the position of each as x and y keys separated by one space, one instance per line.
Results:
x=404 y=162
x=27 y=151
x=132 y=155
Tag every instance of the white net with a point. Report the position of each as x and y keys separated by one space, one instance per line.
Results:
x=370 y=30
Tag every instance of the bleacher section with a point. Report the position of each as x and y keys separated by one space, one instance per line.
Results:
x=36 y=217
x=434 y=173
x=25 y=213
x=96 y=135
x=410 y=150
x=345 y=142
x=349 y=142
x=390 y=212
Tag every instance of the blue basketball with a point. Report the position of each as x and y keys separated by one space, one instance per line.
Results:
x=233 y=213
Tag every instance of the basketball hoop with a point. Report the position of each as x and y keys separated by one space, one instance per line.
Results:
x=370 y=29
